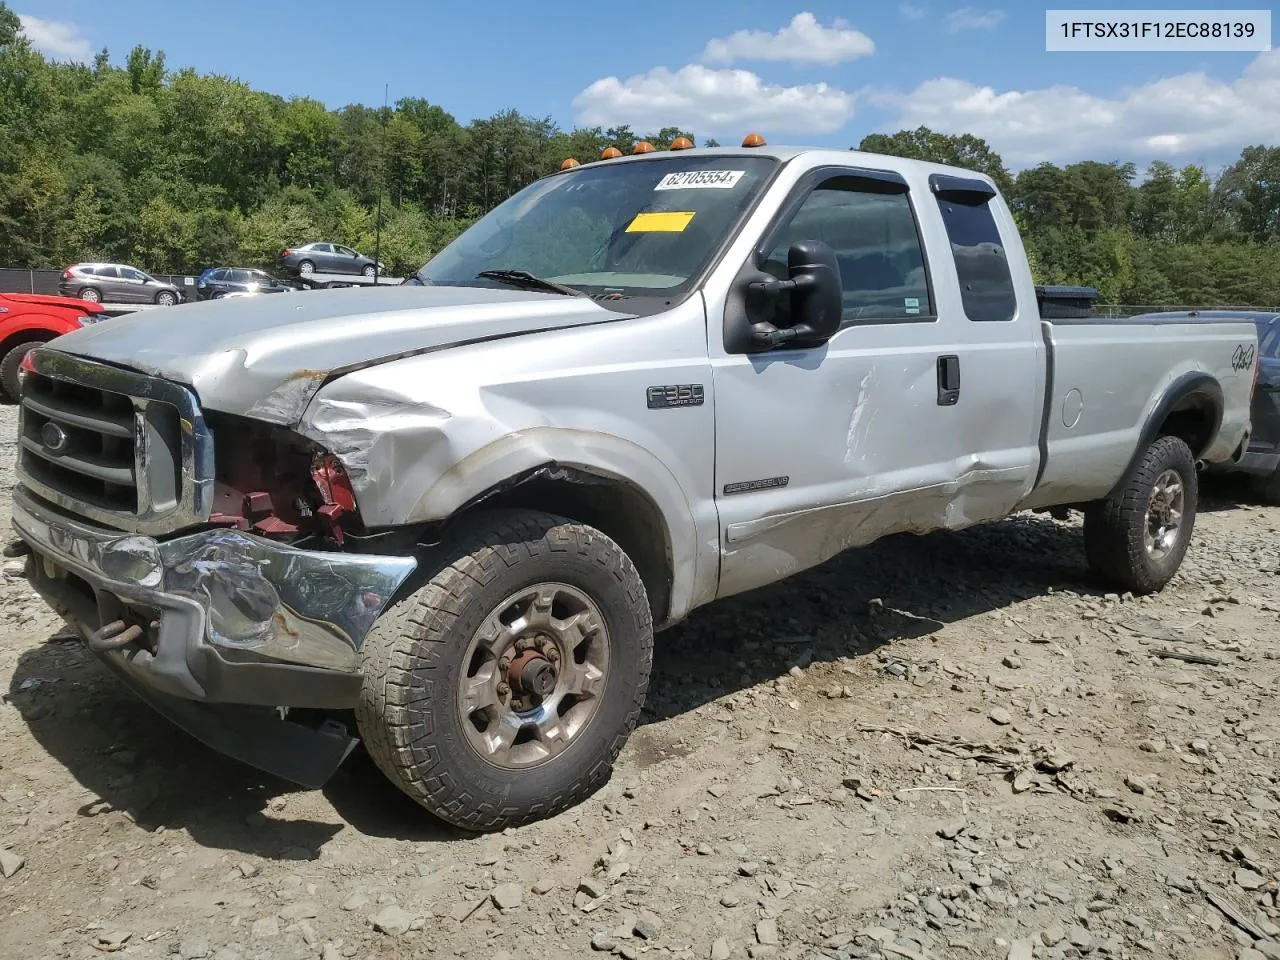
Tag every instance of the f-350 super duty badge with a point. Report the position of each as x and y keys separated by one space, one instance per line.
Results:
x=675 y=395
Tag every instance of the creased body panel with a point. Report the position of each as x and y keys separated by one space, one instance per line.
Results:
x=423 y=436
x=1108 y=380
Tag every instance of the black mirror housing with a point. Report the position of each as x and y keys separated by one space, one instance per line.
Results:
x=815 y=299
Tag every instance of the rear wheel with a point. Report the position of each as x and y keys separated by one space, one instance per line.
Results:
x=306 y=268
x=1136 y=538
x=502 y=689
x=11 y=369
x=90 y=294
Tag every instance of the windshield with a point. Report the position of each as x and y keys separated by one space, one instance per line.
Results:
x=639 y=228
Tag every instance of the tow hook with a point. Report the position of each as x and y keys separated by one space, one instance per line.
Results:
x=114 y=636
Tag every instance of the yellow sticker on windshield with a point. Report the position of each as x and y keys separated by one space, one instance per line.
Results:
x=666 y=221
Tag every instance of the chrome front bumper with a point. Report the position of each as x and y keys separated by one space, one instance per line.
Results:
x=221 y=616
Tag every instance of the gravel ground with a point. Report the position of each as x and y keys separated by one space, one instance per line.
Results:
x=949 y=746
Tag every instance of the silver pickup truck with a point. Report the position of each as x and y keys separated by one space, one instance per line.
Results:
x=459 y=508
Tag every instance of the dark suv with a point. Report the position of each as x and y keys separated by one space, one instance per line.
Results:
x=1261 y=459
x=327 y=258
x=116 y=283
x=218 y=282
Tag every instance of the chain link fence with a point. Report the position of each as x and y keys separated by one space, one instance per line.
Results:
x=21 y=280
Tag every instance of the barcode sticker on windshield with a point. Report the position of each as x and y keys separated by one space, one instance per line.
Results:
x=701 y=180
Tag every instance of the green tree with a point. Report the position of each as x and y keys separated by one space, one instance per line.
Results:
x=967 y=151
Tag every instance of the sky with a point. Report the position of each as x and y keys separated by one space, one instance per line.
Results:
x=816 y=73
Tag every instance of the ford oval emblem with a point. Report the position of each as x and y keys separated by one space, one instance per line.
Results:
x=53 y=437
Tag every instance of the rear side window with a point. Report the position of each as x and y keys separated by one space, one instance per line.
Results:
x=986 y=284
x=1269 y=340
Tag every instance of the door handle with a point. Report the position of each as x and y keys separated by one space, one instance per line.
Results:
x=948 y=381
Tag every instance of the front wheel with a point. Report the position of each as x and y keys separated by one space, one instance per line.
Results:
x=501 y=690
x=166 y=298
x=1136 y=538
x=11 y=369
x=369 y=270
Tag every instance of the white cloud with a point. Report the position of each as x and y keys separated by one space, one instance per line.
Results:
x=803 y=40
x=912 y=11
x=56 y=38
x=1190 y=116
x=714 y=101
x=971 y=18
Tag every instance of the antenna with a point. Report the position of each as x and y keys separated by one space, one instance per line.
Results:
x=382 y=176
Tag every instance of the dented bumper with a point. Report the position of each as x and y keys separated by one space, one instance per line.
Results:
x=218 y=616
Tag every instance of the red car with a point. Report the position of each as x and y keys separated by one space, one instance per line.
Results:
x=28 y=320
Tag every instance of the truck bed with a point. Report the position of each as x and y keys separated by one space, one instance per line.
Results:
x=1106 y=379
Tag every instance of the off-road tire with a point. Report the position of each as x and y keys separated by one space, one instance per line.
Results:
x=11 y=369
x=1115 y=528
x=412 y=658
x=1267 y=488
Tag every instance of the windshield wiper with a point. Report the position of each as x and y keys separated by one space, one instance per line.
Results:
x=527 y=281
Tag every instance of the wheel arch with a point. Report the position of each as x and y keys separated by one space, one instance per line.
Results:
x=1190 y=408
x=616 y=506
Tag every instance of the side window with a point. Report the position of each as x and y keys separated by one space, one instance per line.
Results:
x=110 y=273
x=986 y=285
x=1269 y=342
x=870 y=226
x=346 y=252
x=322 y=247
x=130 y=274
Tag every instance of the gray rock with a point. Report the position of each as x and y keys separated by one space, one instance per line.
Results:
x=357 y=901
x=603 y=942
x=507 y=896
x=1081 y=939
x=266 y=927
x=952 y=830
x=933 y=906
x=10 y=863
x=649 y=926
x=749 y=868
x=1268 y=948
x=194 y=948
x=1012 y=662
x=1053 y=935
x=592 y=888
x=1021 y=950
x=730 y=900
x=392 y=921
x=1248 y=879
x=767 y=932
x=228 y=952
x=1001 y=717
x=720 y=949
x=1247 y=954
x=304 y=910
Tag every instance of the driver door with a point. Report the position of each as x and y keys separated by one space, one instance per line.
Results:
x=823 y=448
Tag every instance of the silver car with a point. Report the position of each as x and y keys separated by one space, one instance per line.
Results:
x=116 y=283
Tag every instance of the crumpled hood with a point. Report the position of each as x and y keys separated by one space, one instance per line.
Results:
x=265 y=357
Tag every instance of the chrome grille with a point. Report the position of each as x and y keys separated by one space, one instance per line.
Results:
x=123 y=448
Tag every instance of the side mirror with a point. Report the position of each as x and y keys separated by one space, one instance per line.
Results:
x=815 y=293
